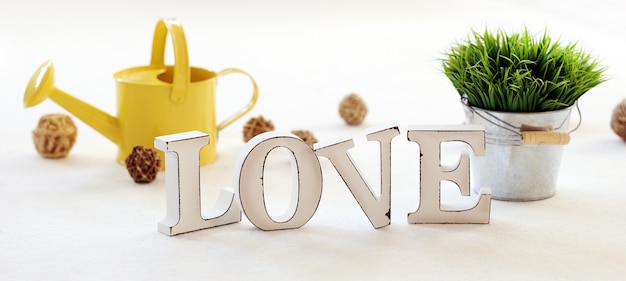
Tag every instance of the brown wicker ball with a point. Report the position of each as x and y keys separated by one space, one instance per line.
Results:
x=143 y=164
x=618 y=120
x=306 y=136
x=352 y=109
x=55 y=135
x=255 y=126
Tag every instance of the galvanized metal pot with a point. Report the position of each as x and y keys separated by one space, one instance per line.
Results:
x=515 y=171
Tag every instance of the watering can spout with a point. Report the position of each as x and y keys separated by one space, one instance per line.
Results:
x=41 y=86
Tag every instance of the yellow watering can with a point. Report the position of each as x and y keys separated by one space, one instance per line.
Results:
x=152 y=100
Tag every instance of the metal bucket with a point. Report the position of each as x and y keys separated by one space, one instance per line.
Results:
x=515 y=171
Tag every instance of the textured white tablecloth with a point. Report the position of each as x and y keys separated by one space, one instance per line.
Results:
x=82 y=217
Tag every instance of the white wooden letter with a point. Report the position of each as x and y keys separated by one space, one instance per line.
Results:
x=249 y=180
x=377 y=209
x=182 y=181
x=431 y=174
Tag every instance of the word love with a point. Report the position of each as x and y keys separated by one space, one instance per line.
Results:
x=183 y=182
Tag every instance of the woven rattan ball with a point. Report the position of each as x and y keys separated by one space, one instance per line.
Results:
x=54 y=136
x=306 y=136
x=143 y=164
x=352 y=109
x=618 y=120
x=255 y=126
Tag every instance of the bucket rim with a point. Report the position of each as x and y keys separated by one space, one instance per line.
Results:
x=521 y=113
x=515 y=122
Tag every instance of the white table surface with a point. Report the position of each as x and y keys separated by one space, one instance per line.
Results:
x=83 y=218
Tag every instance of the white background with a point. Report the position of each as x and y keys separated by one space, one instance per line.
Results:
x=82 y=217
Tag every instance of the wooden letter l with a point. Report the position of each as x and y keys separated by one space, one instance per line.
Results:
x=182 y=181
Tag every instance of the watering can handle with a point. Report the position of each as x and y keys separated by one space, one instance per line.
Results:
x=181 y=58
x=248 y=106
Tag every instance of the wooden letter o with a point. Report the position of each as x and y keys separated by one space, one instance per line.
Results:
x=250 y=185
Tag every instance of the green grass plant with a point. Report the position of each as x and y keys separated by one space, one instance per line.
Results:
x=518 y=72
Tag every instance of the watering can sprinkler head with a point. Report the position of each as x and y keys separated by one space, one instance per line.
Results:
x=40 y=86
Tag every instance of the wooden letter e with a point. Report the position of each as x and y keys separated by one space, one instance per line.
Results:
x=431 y=174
